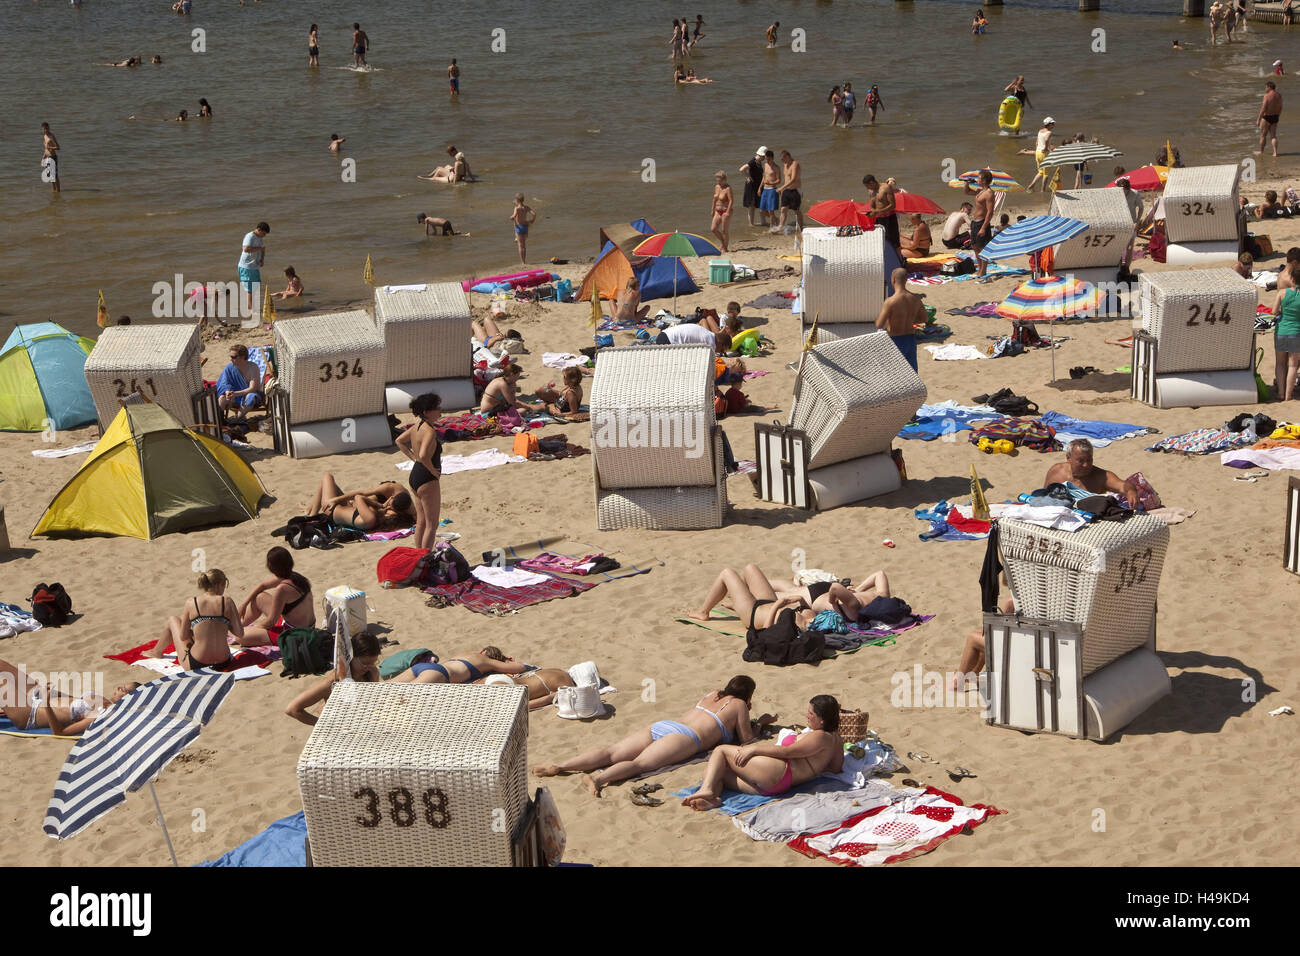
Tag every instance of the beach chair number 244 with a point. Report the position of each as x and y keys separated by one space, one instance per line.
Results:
x=337 y=371
x=1196 y=312
x=402 y=809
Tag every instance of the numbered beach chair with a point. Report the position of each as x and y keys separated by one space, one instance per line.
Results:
x=1078 y=657
x=160 y=363
x=330 y=395
x=1202 y=218
x=426 y=333
x=1291 y=540
x=1197 y=339
x=851 y=397
x=656 y=446
x=845 y=281
x=1095 y=254
x=417 y=775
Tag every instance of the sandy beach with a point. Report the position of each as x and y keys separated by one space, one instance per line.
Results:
x=1163 y=785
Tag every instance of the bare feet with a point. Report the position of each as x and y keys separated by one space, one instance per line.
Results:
x=589 y=782
x=702 y=801
x=698 y=615
x=549 y=770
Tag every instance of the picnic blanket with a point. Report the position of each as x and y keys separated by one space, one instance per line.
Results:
x=483 y=598
x=1099 y=433
x=1202 y=441
x=900 y=826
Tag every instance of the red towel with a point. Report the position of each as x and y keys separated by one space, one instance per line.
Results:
x=136 y=653
x=969 y=525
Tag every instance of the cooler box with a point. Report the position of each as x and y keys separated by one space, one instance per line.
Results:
x=719 y=270
x=347 y=605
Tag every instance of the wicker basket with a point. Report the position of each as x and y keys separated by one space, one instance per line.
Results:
x=332 y=366
x=843 y=276
x=1201 y=203
x=678 y=508
x=1103 y=577
x=852 y=398
x=854 y=725
x=1184 y=312
x=1110 y=227
x=416 y=775
x=426 y=333
x=160 y=361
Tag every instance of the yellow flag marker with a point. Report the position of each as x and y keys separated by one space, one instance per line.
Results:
x=101 y=316
x=811 y=341
x=596 y=314
x=268 y=307
x=368 y=274
x=979 y=504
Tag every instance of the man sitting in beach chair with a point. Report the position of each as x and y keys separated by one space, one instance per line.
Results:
x=1078 y=468
x=240 y=383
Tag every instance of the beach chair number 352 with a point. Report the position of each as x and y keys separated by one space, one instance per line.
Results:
x=1133 y=570
x=402 y=809
x=337 y=371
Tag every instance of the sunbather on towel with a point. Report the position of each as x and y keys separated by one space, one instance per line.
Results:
x=752 y=596
x=44 y=707
x=387 y=506
x=771 y=769
x=364 y=668
x=278 y=603
x=566 y=401
x=541 y=683
x=202 y=630
x=720 y=717
x=464 y=669
x=833 y=596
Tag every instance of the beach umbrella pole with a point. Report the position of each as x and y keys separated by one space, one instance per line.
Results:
x=163 y=823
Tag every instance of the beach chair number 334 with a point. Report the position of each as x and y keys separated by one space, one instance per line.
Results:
x=402 y=809
x=337 y=371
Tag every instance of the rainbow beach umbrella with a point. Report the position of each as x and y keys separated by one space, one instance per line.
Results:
x=1002 y=180
x=1049 y=299
x=675 y=245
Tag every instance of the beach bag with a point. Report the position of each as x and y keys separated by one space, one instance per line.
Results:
x=579 y=703
x=719 y=403
x=887 y=610
x=1148 y=500
x=1012 y=405
x=401 y=566
x=564 y=290
x=509 y=420
x=525 y=444
x=958 y=267
x=305 y=650
x=51 y=605
x=808 y=647
x=1261 y=389
x=853 y=725
x=446 y=565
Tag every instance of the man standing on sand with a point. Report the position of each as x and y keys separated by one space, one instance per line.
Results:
x=791 y=197
x=753 y=171
x=50 y=156
x=522 y=216
x=1270 y=111
x=981 y=219
x=899 y=316
x=360 y=46
x=883 y=209
x=769 y=198
x=251 y=260
x=453 y=79
x=771 y=35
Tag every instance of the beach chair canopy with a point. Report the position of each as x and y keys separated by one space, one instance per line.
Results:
x=42 y=376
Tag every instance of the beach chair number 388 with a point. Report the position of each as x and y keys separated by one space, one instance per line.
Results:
x=402 y=809
x=340 y=370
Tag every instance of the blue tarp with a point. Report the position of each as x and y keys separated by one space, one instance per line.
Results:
x=280 y=844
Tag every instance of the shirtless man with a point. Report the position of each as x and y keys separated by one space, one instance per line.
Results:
x=1078 y=468
x=50 y=156
x=360 y=46
x=981 y=218
x=769 y=199
x=917 y=245
x=956 y=231
x=771 y=35
x=882 y=208
x=453 y=79
x=1270 y=111
x=336 y=141
x=791 y=197
x=436 y=225
x=899 y=313
x=522 y=216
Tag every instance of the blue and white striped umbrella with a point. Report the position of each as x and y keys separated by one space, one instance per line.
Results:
x=1031 y=235
x=128 y=746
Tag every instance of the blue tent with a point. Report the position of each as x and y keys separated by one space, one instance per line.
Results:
x=42 y=376
x=655 y=273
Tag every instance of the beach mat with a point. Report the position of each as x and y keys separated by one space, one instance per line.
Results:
x=9 y=729
x=735 y=803
x=494 y=601
x=711 y=624
x=567 y=547
x=280 y=844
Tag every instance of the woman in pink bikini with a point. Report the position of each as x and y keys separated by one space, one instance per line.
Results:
x=771 y=769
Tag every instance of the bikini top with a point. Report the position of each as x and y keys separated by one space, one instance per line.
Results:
x=726 y=734
x=293 y=604
x=200 y=617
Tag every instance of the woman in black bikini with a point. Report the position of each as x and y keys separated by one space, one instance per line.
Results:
x=201 y=631
x=569 y=400
x=277 y=604
x=751 y=595
x=420 y=444
x=387 y=506
x=833 y=596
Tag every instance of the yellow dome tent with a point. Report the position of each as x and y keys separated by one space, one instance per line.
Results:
x=148 y=476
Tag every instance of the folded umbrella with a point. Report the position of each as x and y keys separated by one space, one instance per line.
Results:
x=1071 y=154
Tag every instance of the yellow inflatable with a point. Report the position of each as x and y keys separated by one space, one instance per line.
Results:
x=739 y=338
x=1009 y=115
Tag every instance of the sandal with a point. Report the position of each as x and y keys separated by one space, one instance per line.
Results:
x=909 y=782
x=646 y=788
x=960 y=773
x=920 y=755
x=641 y=800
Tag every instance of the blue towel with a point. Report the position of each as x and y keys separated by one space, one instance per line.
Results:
x=735 y=803
x=280 y=844
x=7 y=726
x=1099 y=432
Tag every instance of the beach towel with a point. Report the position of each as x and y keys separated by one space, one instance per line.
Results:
x=80 y=449
x=14 y=620
x=243 y=668
x=507 y=577
x=479 y=461
x=563 y=360
x=719 y=624
x=9 y=729
x=882 y=635
x=283 y=843
x=941 y=516
x=626 y=566
x=773 y=300
x=898 y=830
x=933 y=421
x=1202 y=441
x=1099 y=433
x=390 y=535
x=815 y=811
x=954 y=353
x=1022 y=432
x=551 y=563
x=483 y=598
x=983 y=310
x=1272 y=458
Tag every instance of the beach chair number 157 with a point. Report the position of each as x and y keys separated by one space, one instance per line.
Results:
x=1208 y=312
x=402 y=809
x=340 y=370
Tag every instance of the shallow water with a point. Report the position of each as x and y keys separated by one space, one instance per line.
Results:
x=568 y=113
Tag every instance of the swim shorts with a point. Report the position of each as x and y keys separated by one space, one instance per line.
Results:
x=1272 y=118
x=455 y=84
x=977 y=241
x=767 y=199
x=790 y=199
x=907 y=345
x=249 y=277
x=359 y=50
x=521 y=230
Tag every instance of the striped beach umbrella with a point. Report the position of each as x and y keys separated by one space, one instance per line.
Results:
x=1003 y=181
x=128 y=747
x=1049 y=299
x=1031 y=235
x=1071 y=154
x=842 y=212
x=677 y=245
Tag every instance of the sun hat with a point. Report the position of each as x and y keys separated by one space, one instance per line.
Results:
x=1277 y=62
x=499 y=679
x=760 y=152
x=1049 y=121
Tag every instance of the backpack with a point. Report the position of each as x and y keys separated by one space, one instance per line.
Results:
x=51 y=605
x=1012 y=405
x=401 y=566
x=958 y=267
x=446 y=565
x=306 y=650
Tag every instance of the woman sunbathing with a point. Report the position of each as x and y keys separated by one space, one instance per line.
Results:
x=364 y=668
x=387 y=505
x=465 y=669
x=541 y=683
x=502 y=395
x=488 y=334
x=627 y=304
x=723 y=715
x=771 y=769
x=202 y=630
x=751 y=595
x=566 y=401
x=44 y=707
x=278 y=603
x=833 y=596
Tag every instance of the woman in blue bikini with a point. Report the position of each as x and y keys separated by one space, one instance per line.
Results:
x=722 y=716
x=461 y=670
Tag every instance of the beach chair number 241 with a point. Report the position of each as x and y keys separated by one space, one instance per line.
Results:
x=402 y=810
x=340 y=370
x=123 y=391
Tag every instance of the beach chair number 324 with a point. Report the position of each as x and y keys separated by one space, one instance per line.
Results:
x=402 y=810
x=337 y=371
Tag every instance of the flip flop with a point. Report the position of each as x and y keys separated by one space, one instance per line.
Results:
x=920 y=755
x=641 y=800
x=647 y=788
x=909 y=782
x=960 y=773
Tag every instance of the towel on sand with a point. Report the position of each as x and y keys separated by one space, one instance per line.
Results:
x=280 y=844
x=483 y=598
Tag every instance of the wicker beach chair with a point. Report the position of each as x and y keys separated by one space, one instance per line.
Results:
x=332 y=366
x=426 y=334
x=1110 y=227
x=416 y=775
x=1291 y=540
x=657 y=451
x=1201 y=204
x=161 y=362
x=1202 y=320
x=843 y=281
